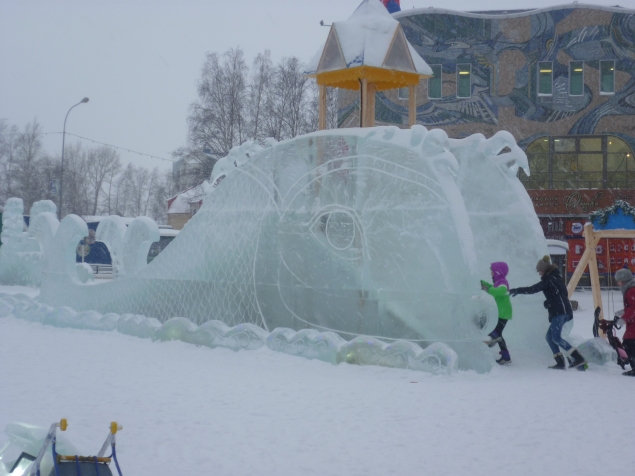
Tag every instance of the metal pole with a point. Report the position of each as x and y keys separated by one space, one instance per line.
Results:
x=63 y=140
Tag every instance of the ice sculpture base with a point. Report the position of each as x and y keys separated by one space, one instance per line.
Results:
x=436 y=358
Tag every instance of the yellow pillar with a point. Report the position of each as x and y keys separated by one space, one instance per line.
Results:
x=322 y=109
x=412 y=105
x=364 y=103
x=370 y=105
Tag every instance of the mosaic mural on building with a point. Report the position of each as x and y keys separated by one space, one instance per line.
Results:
x=505 y=54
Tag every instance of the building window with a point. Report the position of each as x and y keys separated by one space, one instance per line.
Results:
x=607 y=77
x=579 y=162
x=576 y=78
x=404 y=93
x=620 y=164
x=435 y=83
x=545 y=78
x=463 y=81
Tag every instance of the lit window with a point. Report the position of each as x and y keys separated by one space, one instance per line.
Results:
x=463 y=82
x=404 y=93
x=434 y=83
x=545 y=78
x=576 y=78
x=580 y=162
x=607 y=77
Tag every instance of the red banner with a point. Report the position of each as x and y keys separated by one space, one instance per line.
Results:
x=616 y=252
x=576 y=202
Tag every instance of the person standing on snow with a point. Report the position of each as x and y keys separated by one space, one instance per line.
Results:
x=560 y=312
x=500 y=292
x=626 y=281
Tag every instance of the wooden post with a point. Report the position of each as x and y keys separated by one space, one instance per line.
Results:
x=322 y=108
x=579 y=270
x=590 y=242
x=364 y=103
x=370 y=105
x=412 y=105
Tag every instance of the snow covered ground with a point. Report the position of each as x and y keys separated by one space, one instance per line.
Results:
x=195 y=410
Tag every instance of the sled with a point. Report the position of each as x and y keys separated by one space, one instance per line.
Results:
x=65 y=465
x=608 y=327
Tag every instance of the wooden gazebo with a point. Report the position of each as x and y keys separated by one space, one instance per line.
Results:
x=368 y=52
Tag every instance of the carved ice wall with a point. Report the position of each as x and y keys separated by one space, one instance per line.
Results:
x=359 y=232
x=21 y=256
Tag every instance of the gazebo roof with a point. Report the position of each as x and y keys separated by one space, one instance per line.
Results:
x=370 y=44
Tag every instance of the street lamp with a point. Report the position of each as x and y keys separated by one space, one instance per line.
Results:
x=63 y=138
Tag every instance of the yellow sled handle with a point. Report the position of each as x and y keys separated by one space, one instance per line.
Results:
x=110 y=439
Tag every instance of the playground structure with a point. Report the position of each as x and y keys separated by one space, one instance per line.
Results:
x=368 y=52
x=615 y=224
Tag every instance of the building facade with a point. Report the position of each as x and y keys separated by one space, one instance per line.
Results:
x=560 y=79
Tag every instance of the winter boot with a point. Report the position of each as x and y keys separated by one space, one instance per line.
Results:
x=559 y=362
x=577 y=359
x=494 y=337
x=630 y=373
x=581 y=368
x=505 y=358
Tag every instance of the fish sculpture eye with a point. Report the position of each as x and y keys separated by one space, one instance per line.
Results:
x=340 y=230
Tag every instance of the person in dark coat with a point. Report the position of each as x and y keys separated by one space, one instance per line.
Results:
x=626 y=281
x=559 y=308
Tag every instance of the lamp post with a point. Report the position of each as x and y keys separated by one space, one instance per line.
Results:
x=63 y=139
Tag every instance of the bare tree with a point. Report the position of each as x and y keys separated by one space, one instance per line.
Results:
x=8 y=146
x=217 y=120
x=28 y=153
x=77 y=190
x=332 y=107
x=103 y=162
x=262 y=72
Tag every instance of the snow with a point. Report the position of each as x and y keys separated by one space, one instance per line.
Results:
x=188 y=409
x=181 y=204
x=366 y=37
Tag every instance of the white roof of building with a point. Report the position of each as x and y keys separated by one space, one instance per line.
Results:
x=370 y=37
x=181 y=203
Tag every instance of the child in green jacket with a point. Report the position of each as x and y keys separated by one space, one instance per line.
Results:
x=500 y=291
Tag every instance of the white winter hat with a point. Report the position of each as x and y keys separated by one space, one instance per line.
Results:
x=623 y=275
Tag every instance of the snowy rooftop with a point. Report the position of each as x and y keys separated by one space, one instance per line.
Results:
x=509 y=13
x=181 y=203
x=366 y=39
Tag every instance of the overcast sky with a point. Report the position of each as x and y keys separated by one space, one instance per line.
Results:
x=139 y=60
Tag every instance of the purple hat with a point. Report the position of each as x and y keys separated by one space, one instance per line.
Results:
x=500 y=270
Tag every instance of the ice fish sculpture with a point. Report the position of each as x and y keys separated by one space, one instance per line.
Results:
x=128 y=245
x=358 y=232
x=21 y=257
x=503 y=222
